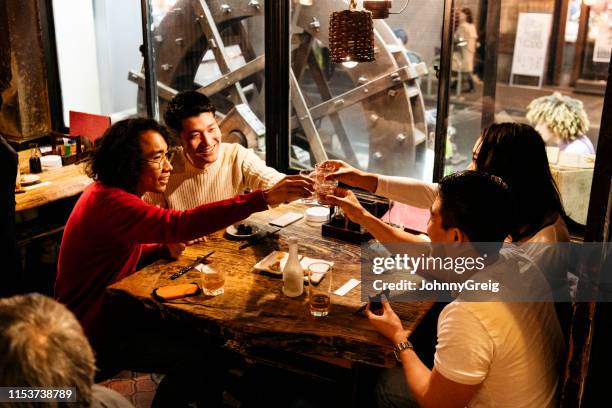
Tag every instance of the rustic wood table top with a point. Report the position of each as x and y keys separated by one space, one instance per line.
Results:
x=253 y=310
x=54 y=185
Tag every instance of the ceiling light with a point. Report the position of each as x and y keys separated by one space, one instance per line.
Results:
x=349 y=64
x=351 y=35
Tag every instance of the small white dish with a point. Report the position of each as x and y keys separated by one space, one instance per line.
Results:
x=276 y=260
x=29 y=179
x=233 y=231
x=317 y=215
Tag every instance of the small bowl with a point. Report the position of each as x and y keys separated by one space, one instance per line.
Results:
x=316 y=215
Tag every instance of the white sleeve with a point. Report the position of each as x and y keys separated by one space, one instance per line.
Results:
x=407 y=190
x=255 y=172
x=465 y=349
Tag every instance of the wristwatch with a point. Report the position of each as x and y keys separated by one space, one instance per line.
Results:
x=401 y=347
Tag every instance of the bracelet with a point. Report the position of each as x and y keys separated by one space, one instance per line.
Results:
x=404 y=345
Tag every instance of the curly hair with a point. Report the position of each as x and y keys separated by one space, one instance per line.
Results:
x=516 y=153
x=563 y=115
x=185 y=105
x=117 y=156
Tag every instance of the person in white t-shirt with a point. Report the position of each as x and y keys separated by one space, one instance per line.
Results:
x=488 y=354
x=207 y=170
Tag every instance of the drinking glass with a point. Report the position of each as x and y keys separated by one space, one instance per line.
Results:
x=213 y=280
x=312 y=199
x=319 y=288
x=322 y=186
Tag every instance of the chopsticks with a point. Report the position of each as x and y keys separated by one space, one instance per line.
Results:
x=185 y=269
x=257 y=240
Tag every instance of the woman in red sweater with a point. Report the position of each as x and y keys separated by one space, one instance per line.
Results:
x=111 y=228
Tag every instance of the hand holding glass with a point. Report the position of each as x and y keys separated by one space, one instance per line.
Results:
x=322 y=185
x=310 y=174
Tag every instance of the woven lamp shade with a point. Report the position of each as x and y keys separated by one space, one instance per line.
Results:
x=351 y=36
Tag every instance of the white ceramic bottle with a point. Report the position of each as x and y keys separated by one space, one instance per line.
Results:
x=293 y=275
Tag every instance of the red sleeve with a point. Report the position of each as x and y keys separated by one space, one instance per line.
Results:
x=134 y=221
x=152 y=250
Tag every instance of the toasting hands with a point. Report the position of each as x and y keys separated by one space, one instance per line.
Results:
x=346 y=200
x=289 y=189
x=347 y=174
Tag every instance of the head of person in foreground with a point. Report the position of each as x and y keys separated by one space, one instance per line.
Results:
x=42 y=345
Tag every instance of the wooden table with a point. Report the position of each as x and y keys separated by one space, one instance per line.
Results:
x=253 y=311
x=63 y=182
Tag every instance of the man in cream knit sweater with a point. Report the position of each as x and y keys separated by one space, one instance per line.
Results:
x=207 y=170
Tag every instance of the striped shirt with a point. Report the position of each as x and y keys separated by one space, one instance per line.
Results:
x=235 y=170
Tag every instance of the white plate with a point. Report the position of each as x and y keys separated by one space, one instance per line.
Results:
x=232 y=231
x=276 y=260
x=29 y=179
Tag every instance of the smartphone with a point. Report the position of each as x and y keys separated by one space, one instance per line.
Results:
x=375 y=303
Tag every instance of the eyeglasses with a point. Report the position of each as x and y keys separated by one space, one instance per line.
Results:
x=168 y=156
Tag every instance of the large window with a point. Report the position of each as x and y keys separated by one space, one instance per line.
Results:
x=378 y=116
x=386 y=116
x=522 y=54
x=216 y=48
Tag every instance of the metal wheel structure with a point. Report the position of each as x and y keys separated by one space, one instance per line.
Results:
x=387 y=90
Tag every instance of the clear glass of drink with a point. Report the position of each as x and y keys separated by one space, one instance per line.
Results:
x=322 y=185
x=319 y=288
x=311 y=175
x=213 y=280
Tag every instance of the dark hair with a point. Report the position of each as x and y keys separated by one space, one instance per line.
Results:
x=117 y=157
x=468 y=15
x=462 y=206
x=185 y=105
x=516 y=153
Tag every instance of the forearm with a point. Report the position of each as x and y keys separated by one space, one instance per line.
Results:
x=386 y=233
x=417 y=377
x=368 y=182
x=136 y=221
x=151 y=252
x=407 y=190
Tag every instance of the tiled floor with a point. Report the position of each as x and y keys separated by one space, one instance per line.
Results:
x=139 y=388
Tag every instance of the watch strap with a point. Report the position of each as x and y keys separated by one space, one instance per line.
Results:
x=404 y=345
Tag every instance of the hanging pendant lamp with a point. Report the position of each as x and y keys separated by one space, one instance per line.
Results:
x=351 y=35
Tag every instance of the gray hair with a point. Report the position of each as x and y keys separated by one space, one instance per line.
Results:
x=42 y=345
